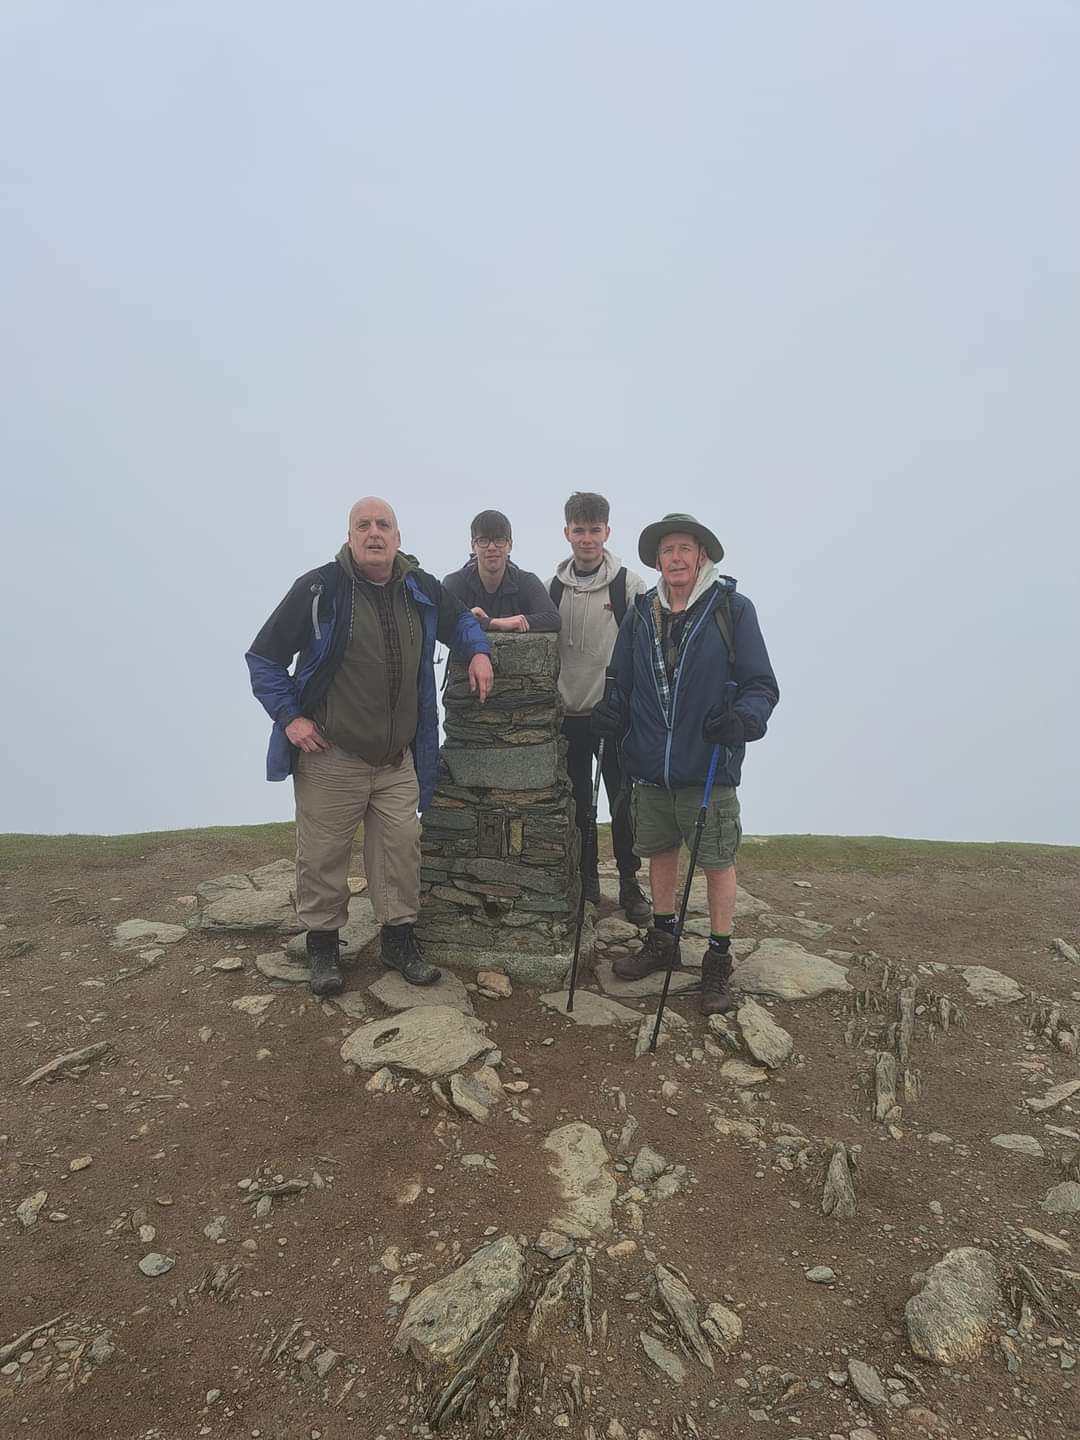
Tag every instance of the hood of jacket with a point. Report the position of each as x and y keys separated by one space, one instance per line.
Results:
x=706 y=578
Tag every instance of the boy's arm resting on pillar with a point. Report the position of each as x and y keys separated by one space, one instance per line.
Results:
x=536 y=605
x=758 y=693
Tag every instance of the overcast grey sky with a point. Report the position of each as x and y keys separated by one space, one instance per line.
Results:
x=807 y=270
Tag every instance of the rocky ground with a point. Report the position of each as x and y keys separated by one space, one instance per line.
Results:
x=229 y=1210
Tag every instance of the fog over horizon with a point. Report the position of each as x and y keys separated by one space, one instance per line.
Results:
x=810 y=273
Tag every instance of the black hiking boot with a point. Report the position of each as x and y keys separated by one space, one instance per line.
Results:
x=632 y=901
x=402 y=953
x=592 y=889
x=324 y=957
x=717 y=996
x=658 y=952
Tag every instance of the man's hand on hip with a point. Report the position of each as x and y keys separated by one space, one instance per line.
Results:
x=481 y=677
x=306 y=735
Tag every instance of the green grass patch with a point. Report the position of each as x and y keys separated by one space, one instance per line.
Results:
x=89 y=851
x=776 y=854
x=887 y=855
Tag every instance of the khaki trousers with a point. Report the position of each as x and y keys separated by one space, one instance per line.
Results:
x=335 y=792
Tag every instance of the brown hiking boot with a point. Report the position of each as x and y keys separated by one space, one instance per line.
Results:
x=658 y=952
x=717 y=996
x=632 y=901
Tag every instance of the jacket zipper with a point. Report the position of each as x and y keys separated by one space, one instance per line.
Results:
x=675 y=694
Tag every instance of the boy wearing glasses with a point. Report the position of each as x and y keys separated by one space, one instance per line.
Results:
x=499 y=594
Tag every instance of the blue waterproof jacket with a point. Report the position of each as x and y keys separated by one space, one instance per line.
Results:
x=305 y=625
x=663 y=744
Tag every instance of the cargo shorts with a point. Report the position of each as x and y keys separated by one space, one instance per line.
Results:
x=664 y=819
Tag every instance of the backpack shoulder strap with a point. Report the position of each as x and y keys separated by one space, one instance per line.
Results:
x=555 y=590
x=725 y=623
x=617 y=591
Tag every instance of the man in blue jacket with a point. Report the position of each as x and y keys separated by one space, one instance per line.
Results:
x=670 y=705
x=356 y=725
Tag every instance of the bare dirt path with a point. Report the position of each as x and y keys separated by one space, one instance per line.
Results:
x=278 y=1318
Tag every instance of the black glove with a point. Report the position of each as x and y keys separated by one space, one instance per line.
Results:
x=723 y=726
x=607 y=720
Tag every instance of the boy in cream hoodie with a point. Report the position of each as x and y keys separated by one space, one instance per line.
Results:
x=593 y=590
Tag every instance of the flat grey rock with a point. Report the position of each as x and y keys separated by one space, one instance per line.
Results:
x=613 y=931
x=510 y=767
x=259 y=900
x=664 y=1359
x=545 y=970
x=723 y=1327
x=681 y=1304
x=738 y=1072
x=648 y=1166
x=429 y=1040
x=253 y=1006
x=768 y=1042
x=277 y=965
x=949 y=1320
x=611 y=985
x=794 y=925
x=1064 y=951
x=867 y=1383
x=154 y=1264
x=359 y=932
x=747 y=905
x=1019 y=1145
x=451 y=1320
x=1054 y=1096
x=395 y=992
x=990 y=987
x=469 y=1098
x=553 y=1245
x=784 y=970
x=228 y=965
x=1063 y=1199
x=821 y=1275
x=130 y=933
x=352 y=1004
x=591 y=1009
x=582 y=1170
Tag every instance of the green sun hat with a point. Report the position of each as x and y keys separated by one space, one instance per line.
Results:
x=649 y=539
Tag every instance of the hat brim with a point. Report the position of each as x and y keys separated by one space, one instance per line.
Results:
x=649 y=540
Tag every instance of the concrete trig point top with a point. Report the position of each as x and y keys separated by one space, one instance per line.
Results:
x=499 y=871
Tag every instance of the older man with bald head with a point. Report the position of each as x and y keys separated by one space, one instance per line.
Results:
x=356 y=726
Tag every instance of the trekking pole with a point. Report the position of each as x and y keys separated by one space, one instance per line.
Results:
x=730 y=691
x=591 y=835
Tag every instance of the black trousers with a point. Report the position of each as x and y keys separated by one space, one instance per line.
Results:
x=581 y=750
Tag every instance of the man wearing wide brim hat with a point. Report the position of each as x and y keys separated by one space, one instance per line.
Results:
x=692 y=678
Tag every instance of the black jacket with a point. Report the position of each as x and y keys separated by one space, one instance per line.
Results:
x=520 y=593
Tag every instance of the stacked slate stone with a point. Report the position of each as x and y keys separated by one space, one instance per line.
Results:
x=499 y=869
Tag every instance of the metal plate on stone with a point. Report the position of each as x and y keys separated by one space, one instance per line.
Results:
x=491 y=834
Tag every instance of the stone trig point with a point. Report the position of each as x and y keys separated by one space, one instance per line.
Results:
x=499 y=872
